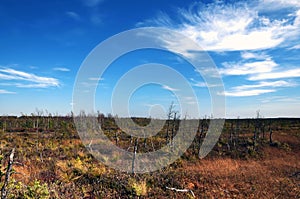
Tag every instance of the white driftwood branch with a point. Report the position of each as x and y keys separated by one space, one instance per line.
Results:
x=182 y=190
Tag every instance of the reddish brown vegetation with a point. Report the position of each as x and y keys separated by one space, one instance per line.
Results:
x=244 y=170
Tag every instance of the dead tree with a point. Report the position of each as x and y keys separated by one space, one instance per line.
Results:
x=169 y=117
x=134 y=155
x=238 y=126
x=174 y=127
x=4 y=190
x=231 y=136
x=263 y=130
x=270 y=133
x=236 y=132
x=201 y=135
x=257 y=128
x=116 y=136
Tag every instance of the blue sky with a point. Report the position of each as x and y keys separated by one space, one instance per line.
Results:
x=254 y=44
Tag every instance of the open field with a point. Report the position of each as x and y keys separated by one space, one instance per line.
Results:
x=51 y=161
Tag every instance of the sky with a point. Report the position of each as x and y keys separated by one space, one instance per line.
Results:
x=254 y=45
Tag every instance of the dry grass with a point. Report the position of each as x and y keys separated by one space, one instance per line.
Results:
x=70 y=172
x=270 y=177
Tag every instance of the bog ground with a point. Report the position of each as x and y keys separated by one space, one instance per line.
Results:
x=254 y=158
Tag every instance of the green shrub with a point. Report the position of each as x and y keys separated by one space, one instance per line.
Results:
x=36 y=190
x=139 y=188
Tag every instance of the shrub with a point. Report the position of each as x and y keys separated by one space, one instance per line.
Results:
x=36 y=190
x=139 y=188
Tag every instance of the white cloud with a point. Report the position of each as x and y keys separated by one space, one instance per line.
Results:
x=233 y=27
x=96 y=79
x=273 y=99
x=292 y=73
x=163 y=20
x=190 y=100
x=279 y=83
x=247 y=68
x=41 y=85
x=278 y=4
x=247 y=93
x=296 y=47
x=199 y=84
x=166 y=87
x=252 y=55
x=227 y=29
x=6 y=92
x=61 y=69
x=180 y=44
x=38 y=81
x=256 y=89
x=73 y=15
x=202 y=84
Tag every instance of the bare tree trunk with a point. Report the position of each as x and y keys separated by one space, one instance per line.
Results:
x=254 y=136
x=271 y=133
x=169 y=116
x=4 y=190
x=231 y=133
x=238 y=128
x=173 y=129
x=200 y=139
x=167 y=130
x=145 y=143
x=116 y=137
x=134 y=154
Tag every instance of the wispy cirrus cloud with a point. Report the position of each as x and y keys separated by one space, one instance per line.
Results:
x=240 y=26
x=202 y=84
x=232 y=27
x=278 y=4
x=246 y=68
x=23 y=78
x=247 y=93
x=253 y=55
x=96 y=78
x=73 y=15
x=6 y=92
x=166 y=87
x=291 y=73
x=190 y=100
x=280 y=99
x=94 y=14
x=296 y=47
x=280 y=83
x=257 y=89
x=62 y=69
x=258 y=66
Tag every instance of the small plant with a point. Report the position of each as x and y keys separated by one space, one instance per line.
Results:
x=286 y=147
x=138 y=187
x=36 y=190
